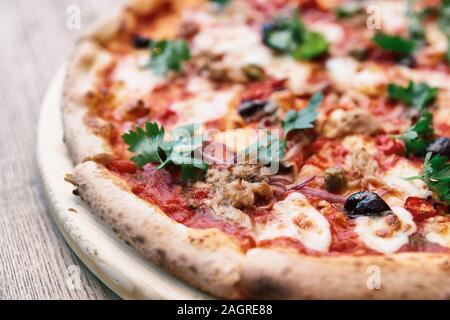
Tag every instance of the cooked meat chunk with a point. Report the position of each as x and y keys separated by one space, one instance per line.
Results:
x=362 y=169
x=240 y=186
x=341 y=123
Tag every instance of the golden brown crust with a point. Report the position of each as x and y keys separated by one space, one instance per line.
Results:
x=82 y=141
x=293 y=276
x=208 y=259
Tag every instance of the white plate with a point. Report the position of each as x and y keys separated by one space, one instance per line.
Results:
x=116 y=264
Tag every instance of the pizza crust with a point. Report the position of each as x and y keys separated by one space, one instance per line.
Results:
x=206 y=258
x=83 y=143
x=294 y=276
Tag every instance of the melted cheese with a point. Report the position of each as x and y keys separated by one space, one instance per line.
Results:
x=392 y=15
x=436 y=38
x=296 y=218
x=203 y=107
x=135 y=80
x=358 y=142
x=331 y=31
x=342 y=71
x=347 y=73
x=381 y=236
x=241 y=45
x=395 y=178
x=296 y=72
x=437 y=230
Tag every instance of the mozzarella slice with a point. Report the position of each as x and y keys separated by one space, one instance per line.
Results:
x=135 y=80
x=241 y=45
x=396 y=178
x=297 y=73
x=342 y=71
x=203 y=107
x=296 y=218
x=331 y=31
x=392 y=15
x=387 y=234
x=437 y=230
x=347 y=73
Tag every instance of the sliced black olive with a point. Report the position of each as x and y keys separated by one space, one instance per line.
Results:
x=277 y=35
x=140 y=42
x=440 y=146
x=407 y=61
x=249 y=108
x=365 y=203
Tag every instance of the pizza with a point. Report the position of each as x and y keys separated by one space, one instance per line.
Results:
x=271 y=148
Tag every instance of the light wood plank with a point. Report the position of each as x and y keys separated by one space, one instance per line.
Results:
x=33 y=256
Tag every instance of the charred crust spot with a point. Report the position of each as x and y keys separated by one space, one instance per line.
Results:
x=75 y=192
x=139 y=239
x=161 y=254
x=265 y=288
x=193 y=269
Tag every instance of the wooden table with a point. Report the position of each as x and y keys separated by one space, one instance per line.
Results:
x=35 y=262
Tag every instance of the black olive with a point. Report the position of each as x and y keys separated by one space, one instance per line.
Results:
x=365 y=203
x=407 y=61
x=271 y=32
x=440 y=146
x=249 y=108
x=140 y=42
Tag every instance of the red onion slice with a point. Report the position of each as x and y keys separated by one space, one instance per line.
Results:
x=322 y=194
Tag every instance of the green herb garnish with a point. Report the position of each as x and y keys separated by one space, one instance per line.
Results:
x=267 y=150
x=419 y=136
x=444 y=24
x=168 y=55
x=395 y=44
x=303 y=119
x=436 y=174
x=418 y=95
x=149 y=146
x=290 y=36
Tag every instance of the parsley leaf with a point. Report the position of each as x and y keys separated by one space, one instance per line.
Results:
x=145 y=144
x=394 y=44
x=444 y=24
x=266 y=150
x=314 y=44
x=419 y=136
x=303 y=119
x=418 y=95
x=290 y=36
x=436 y=174
x=168 y=55
x=149 y=146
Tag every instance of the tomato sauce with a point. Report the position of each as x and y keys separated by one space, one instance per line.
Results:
x=182 y=204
